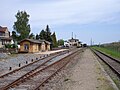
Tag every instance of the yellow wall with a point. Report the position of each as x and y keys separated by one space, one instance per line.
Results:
x=48 y=47
x=43 y=47
x=34 y=47
x=22 y=45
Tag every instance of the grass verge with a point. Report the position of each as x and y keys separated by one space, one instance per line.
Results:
x=112 y=53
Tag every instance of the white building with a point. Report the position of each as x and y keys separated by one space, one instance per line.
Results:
x=4 y=36
x=72 y=42
x=66 y=44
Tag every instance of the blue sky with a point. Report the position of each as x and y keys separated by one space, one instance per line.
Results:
x=96 y=19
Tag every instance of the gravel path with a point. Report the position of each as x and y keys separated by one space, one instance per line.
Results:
x=14 y=62
x=3 y=55
x=87 y=74
x=7 y=61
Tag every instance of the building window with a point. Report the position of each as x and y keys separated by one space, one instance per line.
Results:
x=2 y=34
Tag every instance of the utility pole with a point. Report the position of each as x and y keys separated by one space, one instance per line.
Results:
x=91 y=41
x=72 y=35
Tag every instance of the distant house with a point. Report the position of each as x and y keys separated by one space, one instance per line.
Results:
x=31 y=45
x=4 y=36
x=72 y=42
x=66 y=44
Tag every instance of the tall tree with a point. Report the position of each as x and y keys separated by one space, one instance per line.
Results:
x=37 y=37
x=14 y=36
x=60 y=42
x=21 y=26
x=31 y=36
x=54 y=40
x=48 y=34
x=42 y=35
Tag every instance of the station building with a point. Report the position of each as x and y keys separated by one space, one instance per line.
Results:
x=32 y=46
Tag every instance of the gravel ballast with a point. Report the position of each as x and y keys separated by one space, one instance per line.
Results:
x=83 y=73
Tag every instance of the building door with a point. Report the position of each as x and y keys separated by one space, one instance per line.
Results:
x=26 y=47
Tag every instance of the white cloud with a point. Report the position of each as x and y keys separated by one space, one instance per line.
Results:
x=61 y=12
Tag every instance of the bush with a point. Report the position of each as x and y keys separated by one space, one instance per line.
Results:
x=9 y=46
x=14 y=46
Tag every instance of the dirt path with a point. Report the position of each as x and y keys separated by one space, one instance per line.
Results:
x=88 y=74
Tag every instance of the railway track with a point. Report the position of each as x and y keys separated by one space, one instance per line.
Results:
x=10 y=79
x=113 y=63
x=23 y=75
x=37 y=80
x=35 y=61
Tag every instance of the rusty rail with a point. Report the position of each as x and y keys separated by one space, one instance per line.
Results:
x=52 y=75
x=27 y=75
x=28 y=65
x=113 y=63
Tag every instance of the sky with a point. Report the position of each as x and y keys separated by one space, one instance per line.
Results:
x=98 y=20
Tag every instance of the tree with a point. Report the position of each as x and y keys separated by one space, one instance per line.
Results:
x=14 y=36
x=48 y=34
x=42 y=35
x=31 y=36
x=54 y=40
x=21 y=26
x=60 y=42
x=37 y=37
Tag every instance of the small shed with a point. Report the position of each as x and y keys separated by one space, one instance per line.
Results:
x=32 y=45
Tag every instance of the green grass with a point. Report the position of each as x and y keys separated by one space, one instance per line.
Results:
x=112 y=53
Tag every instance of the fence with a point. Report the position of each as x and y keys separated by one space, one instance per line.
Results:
x=8 y=50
